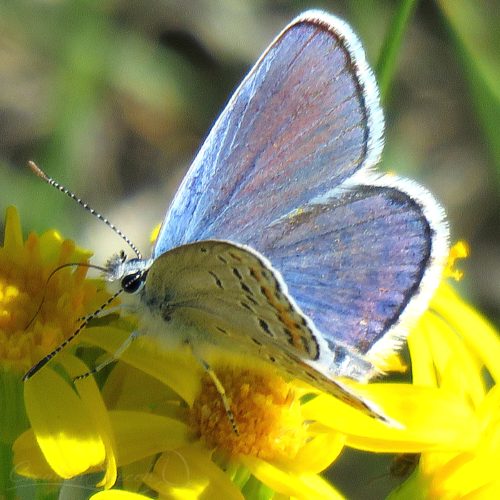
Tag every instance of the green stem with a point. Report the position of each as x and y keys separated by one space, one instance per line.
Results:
x=7 y=487
x=386 y=65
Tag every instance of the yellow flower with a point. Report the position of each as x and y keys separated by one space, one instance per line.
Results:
x=455 y=349
x=187 y=424
x=38 y=310
x=286 y=437
x=165 y=423
x=26 y=333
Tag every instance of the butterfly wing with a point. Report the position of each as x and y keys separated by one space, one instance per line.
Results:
x=285 y=170
x=216 y=292
x=304 y=119
x=363 y=264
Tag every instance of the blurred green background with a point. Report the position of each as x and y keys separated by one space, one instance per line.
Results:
x=113 y=98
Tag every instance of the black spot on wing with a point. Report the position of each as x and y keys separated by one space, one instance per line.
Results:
x=289 y=335
x=247 y=307
x=234 y=256
x=222 y=330
x=265 y=327
x=218 y=282
x=252 y=300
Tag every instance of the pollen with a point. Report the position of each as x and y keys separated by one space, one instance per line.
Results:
x=266 y=411
x=460 y=250
x=38 y=310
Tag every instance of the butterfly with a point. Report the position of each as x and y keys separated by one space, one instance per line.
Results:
x=282 y=242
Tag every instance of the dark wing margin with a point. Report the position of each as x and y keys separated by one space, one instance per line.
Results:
x=304 y=120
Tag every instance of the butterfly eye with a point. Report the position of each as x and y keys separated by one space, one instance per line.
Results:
x=134 y=282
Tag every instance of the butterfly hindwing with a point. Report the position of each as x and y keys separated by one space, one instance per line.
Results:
x=362 y=263
x=229 y=291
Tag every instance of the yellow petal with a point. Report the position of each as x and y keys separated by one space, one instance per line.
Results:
x=29 y=460
x=318 y=453
x=489 y=410
x=394 y=363
x=63 y=425
x=189 y=472
x=124 y=390
x=91 y=397
x=13 y=239
x=132 y=475
x=289 y=483
x=431 y=419
x=464 y=473
x=422 y=365
x=139 y=435
x=490 y=490
x=322 y=487
x=178 y=370
x=473 y=328
x=457 y=368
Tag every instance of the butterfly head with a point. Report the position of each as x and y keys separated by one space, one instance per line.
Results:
x=130 y=273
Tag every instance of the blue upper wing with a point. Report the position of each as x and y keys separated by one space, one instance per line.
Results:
x=304 y=119
x=285 y=170
x=361 y=262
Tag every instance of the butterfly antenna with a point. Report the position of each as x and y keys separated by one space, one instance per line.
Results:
x=40 y=173
x=58 y=268
x=63 y=344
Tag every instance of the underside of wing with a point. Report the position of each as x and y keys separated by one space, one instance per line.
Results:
x=232 y=295
x=217 y=293
x=304 y=119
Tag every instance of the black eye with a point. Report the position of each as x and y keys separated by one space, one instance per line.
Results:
x=132 y=283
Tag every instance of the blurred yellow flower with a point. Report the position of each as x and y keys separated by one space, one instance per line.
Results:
x=455 y=349
x=36 y=315
x=26 y=333
x=160 y=419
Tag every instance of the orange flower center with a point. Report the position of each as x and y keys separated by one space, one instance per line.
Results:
x=266 y=411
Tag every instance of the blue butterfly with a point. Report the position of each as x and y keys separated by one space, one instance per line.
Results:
x=282 y=242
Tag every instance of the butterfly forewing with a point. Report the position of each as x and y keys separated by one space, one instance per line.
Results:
x=299 y=124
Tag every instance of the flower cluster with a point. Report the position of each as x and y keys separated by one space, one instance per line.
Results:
x=158 y=423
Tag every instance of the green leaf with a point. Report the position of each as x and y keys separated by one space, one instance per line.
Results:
x=387 y=62
x=475 y=27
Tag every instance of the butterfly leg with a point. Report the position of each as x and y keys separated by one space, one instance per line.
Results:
x=117 y=354
x=222 y=392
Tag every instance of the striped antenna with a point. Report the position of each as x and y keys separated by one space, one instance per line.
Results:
x=63 y=344
x=58 y=268
x=40 y=173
